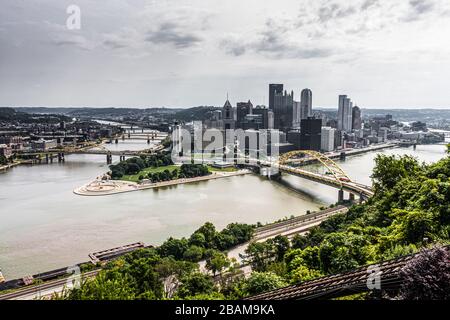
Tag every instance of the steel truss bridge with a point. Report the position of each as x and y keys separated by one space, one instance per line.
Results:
x=101 y=150
x=335 y=177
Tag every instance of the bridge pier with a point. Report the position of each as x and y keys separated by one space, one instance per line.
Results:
x=61 y=157
x=341 y=196
x=117 y=141
x=46 y=157
x=361 y=198
x=342 y=156
x=352 y=197
x=108 y=158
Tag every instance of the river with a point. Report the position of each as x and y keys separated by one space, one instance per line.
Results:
x=43 y=225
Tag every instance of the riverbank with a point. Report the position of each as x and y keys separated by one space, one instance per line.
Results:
x=100 y=187
x=8 y=166
x=54 y=281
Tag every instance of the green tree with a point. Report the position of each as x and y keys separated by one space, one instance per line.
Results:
x=103 y=287
x=260 y=282
x=303 y=273
x=217 y=263
x=173 y=247
x=193 y=253
x=194 y=284
x=198 y=239
x=281 y=245
x=209 y=231
x=259 y=255
x=389 y=170
x=3 y=160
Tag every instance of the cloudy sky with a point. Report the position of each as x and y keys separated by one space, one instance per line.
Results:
x=180 y=53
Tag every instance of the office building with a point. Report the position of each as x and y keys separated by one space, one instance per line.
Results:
x=271 y=119
x=327 y=139
x=42 y=144
x=274 y=89
x=265 y=116
x=242 y=110
x=310 y=134
x=345 y=114
x=306 y=104
x=296 y=115
x=5 y=150
x=356 y=118
x=228 y=116
x=283 y=111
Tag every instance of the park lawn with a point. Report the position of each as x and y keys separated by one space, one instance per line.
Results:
x=229 y=169
x=146 y=171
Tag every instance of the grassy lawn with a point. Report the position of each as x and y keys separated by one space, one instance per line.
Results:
x=146 y=171
x=229 y=169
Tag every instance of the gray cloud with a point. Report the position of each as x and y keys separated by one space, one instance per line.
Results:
x=170 y=33
x=273 y=43
x=334 y=11
x=114 y=44
x=418 y=8
x=368 y=3
x=77 y=41
x=421 y=6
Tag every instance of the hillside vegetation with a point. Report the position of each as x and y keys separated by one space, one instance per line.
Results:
x=410 y=210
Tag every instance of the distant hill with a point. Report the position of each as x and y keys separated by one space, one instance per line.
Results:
x=181 y=114
x=11 y=115
x=204 y=112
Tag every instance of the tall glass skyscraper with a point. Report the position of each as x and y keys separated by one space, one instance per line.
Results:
x=274 y=90
x=345 y=114
x=306 y=104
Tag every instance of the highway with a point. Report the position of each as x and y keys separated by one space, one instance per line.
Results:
x=288 y=228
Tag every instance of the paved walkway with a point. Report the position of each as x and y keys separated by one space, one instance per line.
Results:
x=100 y=187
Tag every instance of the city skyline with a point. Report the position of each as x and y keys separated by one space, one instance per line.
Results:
x=184 y=53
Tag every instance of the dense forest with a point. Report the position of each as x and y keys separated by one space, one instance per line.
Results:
x=409 y=211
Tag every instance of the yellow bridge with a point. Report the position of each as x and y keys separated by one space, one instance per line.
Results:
x=335 y=177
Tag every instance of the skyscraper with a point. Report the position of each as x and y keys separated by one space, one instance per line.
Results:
x=356 y=118
x=296 y=115
x=264 y=112
x=228 y=116
x=283 y=111
x=306 y=104
x=310 y=134
x=274 y=89
x=345 y=114
x=327 y=139
x=242 y=110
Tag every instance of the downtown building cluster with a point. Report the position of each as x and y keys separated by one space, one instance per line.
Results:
x=295 y=122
